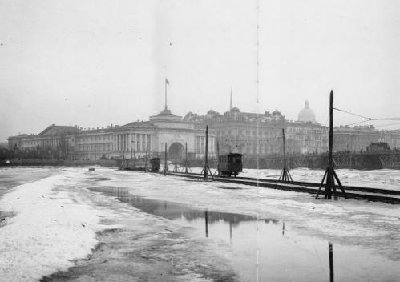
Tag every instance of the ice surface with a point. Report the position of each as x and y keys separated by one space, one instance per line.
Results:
x=55 y=221
x=345 y=221
x=51 y=227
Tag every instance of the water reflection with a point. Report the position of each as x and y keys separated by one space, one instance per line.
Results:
x=181 y=212
x=264 y=248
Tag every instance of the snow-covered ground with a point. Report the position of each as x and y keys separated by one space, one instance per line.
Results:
x=74 y=217
x=51 y=226
x=382 y=178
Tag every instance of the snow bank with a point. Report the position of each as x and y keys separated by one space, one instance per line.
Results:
x=49 y=230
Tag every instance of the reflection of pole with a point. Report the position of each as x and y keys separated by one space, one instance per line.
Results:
x=283 y=229
x=165 y=160
x=206 y=221
x=230 y=231
x=330 y=262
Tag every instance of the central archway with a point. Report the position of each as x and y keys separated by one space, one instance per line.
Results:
x=176 y=152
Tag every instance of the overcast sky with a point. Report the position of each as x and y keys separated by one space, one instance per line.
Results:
x=93 y=63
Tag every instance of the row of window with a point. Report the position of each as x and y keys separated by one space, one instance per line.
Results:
x=95 y=138
x=95 y=147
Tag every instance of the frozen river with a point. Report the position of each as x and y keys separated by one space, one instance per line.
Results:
x=108 y=225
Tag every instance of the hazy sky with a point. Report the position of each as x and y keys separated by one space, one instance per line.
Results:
x=93 y=63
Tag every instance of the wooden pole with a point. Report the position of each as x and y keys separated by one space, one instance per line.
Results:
x=329 y=180
x=165 y=160
x=284 y=147
x=206 y=156
x=186 y=158
x=330 y=174
x=330 y=262
x=285 y=175
x=330 y=162
x=218 y=170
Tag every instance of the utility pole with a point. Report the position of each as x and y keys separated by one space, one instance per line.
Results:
x=186 y=158
x=218 y=170
x=285 y=175
x=330 y=174
x=165 y=160
x=206 y=169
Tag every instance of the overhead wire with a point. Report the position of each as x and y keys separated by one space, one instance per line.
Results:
x=366 y=119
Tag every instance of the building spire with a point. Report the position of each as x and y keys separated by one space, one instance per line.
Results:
x=166 y=104
x=230 y=104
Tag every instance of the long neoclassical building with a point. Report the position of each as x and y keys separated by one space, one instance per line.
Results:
x=251 y=134
x=135 y=139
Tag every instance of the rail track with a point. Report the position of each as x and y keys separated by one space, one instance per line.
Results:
x=352 y=192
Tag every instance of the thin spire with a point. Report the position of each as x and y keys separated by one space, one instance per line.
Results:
x=166 y=104
x=230 y=105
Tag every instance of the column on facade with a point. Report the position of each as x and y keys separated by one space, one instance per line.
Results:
x=148 y=142
x=129 y=142
x=126 y=142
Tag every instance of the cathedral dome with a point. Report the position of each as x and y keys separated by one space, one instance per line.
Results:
x=306 y=114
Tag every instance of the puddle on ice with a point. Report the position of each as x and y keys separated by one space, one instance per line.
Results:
x=267 y=248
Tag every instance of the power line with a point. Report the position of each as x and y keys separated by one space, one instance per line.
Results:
x=366 y=119
x=353 y=114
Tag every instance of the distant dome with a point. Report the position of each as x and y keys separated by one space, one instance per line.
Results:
x=235 y=109
x=306 y=114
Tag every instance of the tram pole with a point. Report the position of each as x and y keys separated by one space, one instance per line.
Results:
x=206 y=169
x=206 y=156
x=285 y=175
x=186 y=158
x=330 y=175
x=165 y=160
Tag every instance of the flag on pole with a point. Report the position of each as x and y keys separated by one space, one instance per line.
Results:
x=166 y=81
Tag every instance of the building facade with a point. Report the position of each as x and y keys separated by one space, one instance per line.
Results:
x=253 y=134
x=133 y=140
x=358 y=138
x=250 y=134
